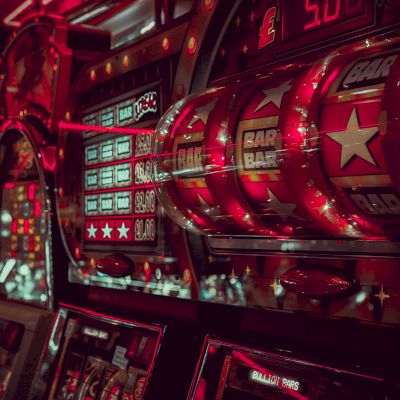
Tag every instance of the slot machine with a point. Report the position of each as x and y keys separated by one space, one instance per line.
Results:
x=280 y=163
x=112 y=331
x=277 y=160
x=29 y=243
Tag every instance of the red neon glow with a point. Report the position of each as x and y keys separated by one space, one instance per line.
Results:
x=299 y=16
x=69 y=126
x=331 y=11
x=201 y=390
x=212 y=350
x=208 y=4
x=125 y=61
x=26 y=226
x=37 y=209
x=31 y=191
x=14 y=226
x=314 y=9
x=92 y=75
x=192 y=45
x=335 y=15
x=9 y=185
x=165 y=44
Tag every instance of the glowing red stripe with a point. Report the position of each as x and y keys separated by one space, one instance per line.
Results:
x=69 y=126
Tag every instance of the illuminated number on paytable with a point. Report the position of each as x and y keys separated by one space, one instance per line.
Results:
x=267 y=30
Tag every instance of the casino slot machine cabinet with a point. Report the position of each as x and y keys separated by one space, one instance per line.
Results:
x=26 y=286
x=108 y=342
x=30 y=247
x=281 y=165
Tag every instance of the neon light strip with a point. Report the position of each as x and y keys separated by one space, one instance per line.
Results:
x=9 y=19
x=68 y=126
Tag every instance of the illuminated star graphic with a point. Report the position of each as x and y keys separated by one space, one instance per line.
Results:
x=123 y=231
x=284 y=210
x=354 y=140
x=382 y=296
x=107 y=231
x=202 y=113
x=277 y=287
x=247 y=270
x=212 y=212
x=92 y=231
x=274 y=95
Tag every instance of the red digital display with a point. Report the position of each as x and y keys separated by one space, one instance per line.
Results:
x=302 y=16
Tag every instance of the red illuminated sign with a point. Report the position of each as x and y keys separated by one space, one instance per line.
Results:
x=302 y=16
x=267 y=30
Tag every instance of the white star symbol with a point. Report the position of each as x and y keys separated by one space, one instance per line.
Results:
x=212 y=212
x=107 y=231
x=274 y=95
x=92 y=231
x=354 y=140
x=202 y=113
x=123 y=231
x=284 y=210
